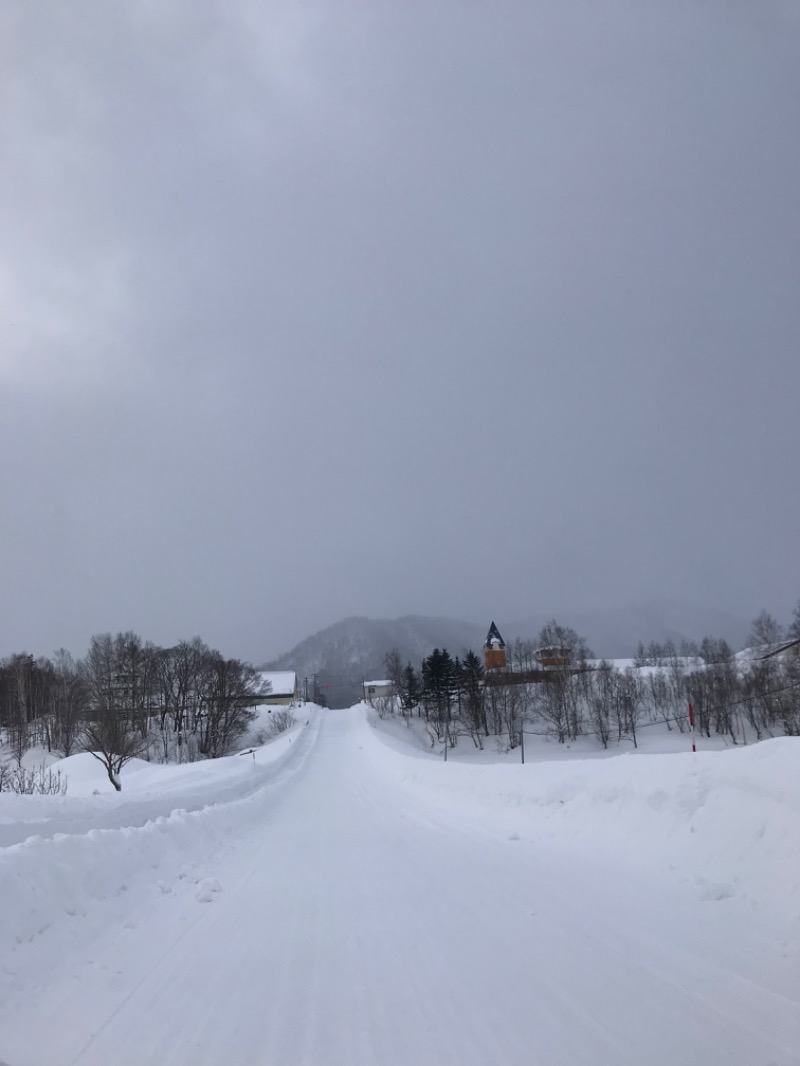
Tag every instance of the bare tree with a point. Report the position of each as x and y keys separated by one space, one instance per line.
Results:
x=113 y=740
x=765 y=630
x=629 y=702
x=552 y=705
x=69 y=704
x=395 y=670
x=522 y=655
x=22 y=670
x=112 y=733
x=507 y=703
x=229 y=689
x=600 y=701
x=657 y=695
x=135 y=678
x=179 y=672
x=555 y=635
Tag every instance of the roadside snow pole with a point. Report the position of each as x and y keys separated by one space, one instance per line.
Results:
x=522 y=742
x=691 y=723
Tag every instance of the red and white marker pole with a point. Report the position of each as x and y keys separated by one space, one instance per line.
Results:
x=691 y=723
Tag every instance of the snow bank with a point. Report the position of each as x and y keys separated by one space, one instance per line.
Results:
x=150 y=790
x=726 y=822
x=148 y=847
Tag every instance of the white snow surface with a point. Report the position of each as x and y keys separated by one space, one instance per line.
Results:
x=281 y=682
x=342 y=897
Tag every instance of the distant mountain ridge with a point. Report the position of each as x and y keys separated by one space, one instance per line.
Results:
x=352 y=651
x=347 y=653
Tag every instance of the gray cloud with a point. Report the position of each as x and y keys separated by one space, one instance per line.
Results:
x=387 y=308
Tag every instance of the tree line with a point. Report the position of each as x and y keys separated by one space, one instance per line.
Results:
x=128 y=698
x=740 y=698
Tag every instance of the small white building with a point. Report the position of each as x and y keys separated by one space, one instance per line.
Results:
x=376 y=690
x=283 y=688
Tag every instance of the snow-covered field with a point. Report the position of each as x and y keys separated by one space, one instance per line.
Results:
x=345 y=897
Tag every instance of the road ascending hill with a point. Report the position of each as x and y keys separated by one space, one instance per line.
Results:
x=335 y=918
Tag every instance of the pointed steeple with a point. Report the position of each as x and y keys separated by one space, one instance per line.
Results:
x=493 y=638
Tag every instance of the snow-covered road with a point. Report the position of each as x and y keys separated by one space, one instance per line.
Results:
x=338 y=919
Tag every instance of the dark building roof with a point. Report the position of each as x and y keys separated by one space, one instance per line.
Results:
x=494 y=634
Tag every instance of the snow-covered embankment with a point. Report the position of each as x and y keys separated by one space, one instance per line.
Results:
x=727 y=822
x=158 y=836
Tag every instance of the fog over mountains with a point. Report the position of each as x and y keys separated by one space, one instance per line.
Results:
x=344 y=655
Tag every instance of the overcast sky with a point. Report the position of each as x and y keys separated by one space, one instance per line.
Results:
x=466 y=308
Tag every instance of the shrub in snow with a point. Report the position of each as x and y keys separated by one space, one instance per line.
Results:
x=43 y=781
x=279 y=722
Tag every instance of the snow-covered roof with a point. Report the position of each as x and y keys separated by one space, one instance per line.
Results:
x=762 y=651
x=782 y=646
x=283 y=682
x=377 y=684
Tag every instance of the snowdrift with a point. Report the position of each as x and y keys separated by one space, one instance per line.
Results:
x=148 y=846
x=726 y=822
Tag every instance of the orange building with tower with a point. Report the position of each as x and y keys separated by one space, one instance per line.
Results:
x=551 y=663
x=494 y=650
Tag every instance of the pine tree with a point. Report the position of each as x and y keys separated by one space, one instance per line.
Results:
x=474 y=700
x=409 y=690
x=438 y=677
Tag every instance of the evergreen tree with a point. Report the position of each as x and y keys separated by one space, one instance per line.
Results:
x=409 y=690
x=438 y=683
x=474 y=701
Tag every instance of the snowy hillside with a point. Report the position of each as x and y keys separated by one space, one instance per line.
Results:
x=345 y=654
x=343 y=896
